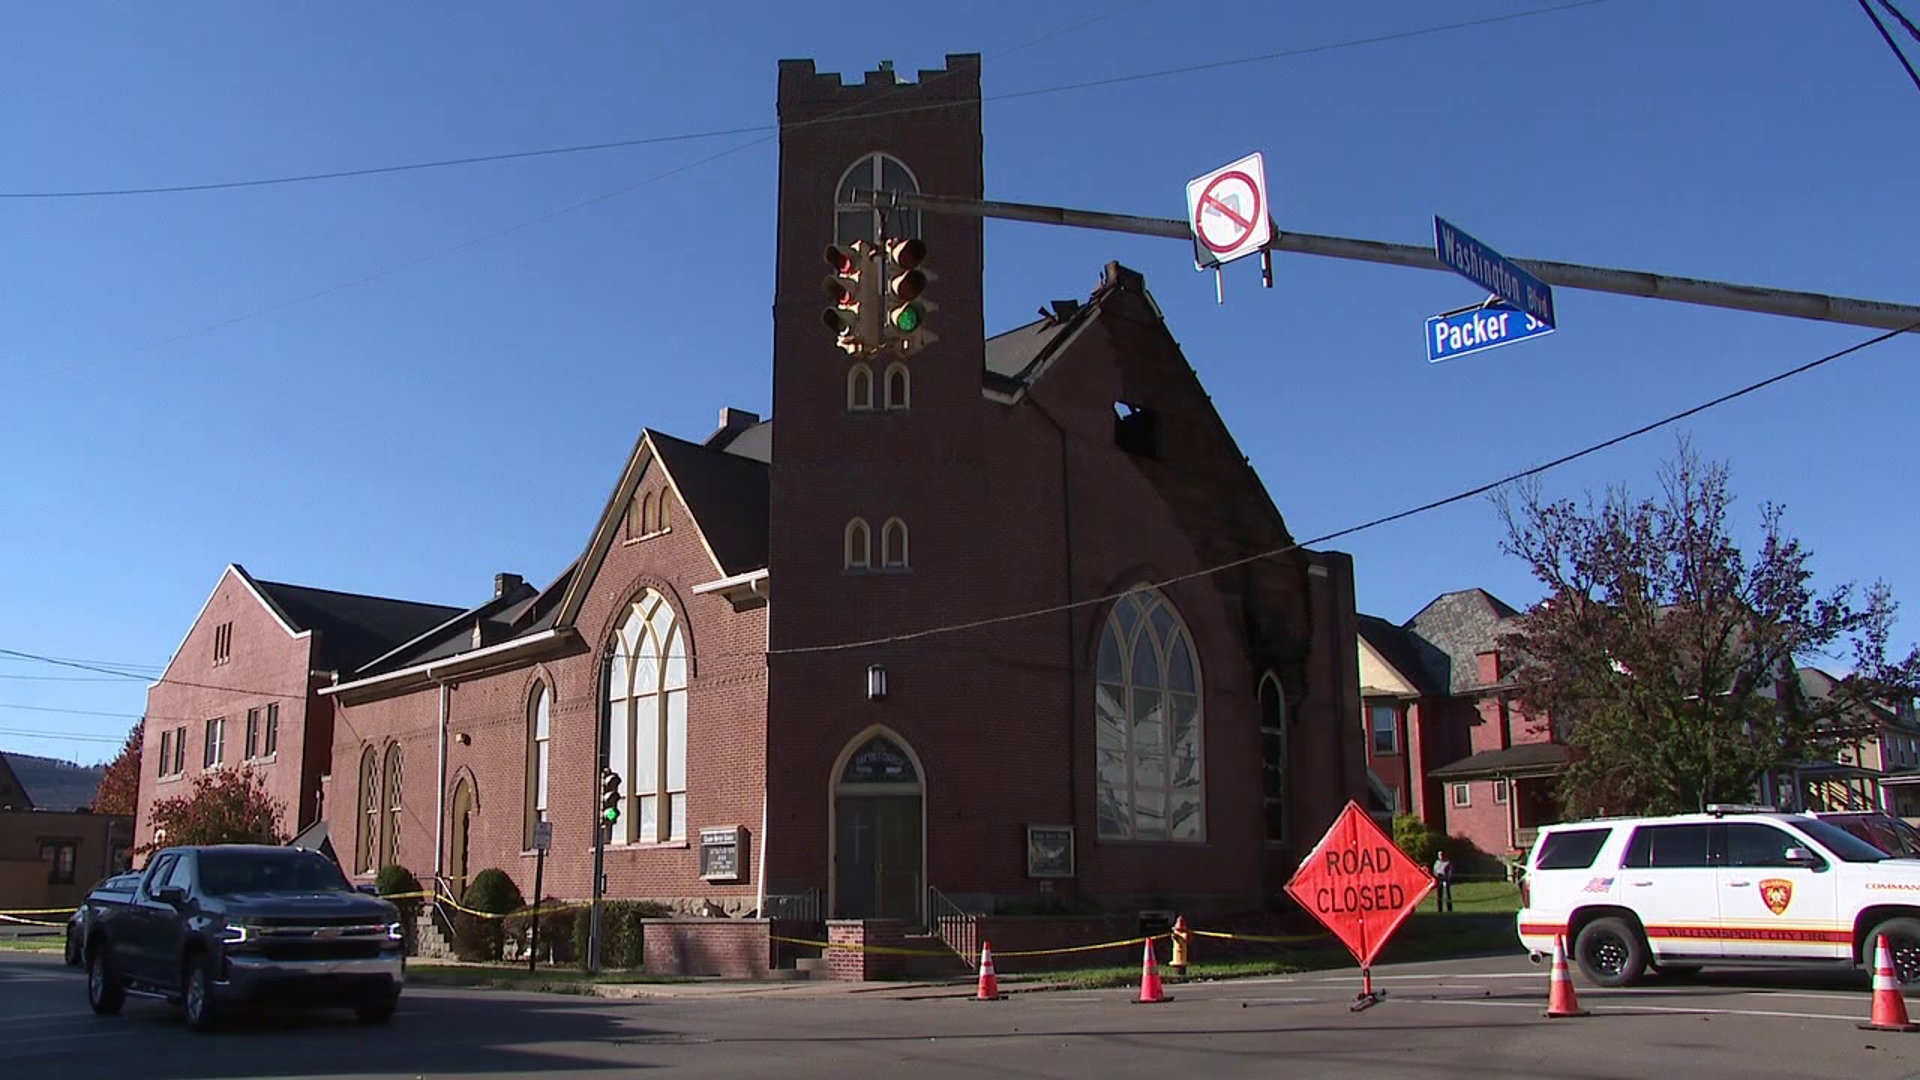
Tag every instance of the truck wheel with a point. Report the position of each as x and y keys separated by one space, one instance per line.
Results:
x=1611 y=952
x=105 y=991
x=378 y=1012
x=196 y=993
x=1903 y=941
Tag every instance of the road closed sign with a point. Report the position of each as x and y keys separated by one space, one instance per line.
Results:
x=1358 y=884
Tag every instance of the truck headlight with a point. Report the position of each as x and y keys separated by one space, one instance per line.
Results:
x=236 y=933
x=396 y=932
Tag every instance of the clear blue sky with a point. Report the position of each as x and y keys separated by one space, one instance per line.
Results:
x=419 y=427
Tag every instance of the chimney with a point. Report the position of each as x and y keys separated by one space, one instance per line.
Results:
x=505 y=583
x=732 y=422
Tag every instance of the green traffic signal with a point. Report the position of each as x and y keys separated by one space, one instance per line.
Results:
x=612 y=814
x=907 y=319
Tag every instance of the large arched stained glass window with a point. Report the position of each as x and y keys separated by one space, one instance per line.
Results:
x=1148 y=715
x=647 y=741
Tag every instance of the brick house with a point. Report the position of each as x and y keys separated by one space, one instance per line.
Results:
x=892 y=733
x=53 y=847
x=1445 y=739
x=241 y=688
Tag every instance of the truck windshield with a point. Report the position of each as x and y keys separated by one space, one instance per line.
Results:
x=230 y=873
x=1842 y=843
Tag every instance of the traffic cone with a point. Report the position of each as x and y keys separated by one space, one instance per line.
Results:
x=1150 y=992
x=989 y=985
x=1889 y=1005
x=1561 y=1001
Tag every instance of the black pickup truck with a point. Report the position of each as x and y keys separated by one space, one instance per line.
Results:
x=237 y=924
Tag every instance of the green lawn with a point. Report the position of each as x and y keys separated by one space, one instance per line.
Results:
x=1480 y=897
x=52 y=943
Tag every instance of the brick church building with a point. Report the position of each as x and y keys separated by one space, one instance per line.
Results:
x=893 y=731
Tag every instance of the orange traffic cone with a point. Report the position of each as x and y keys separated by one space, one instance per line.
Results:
x=989 y=984
x=1150 y=992
x=1561 y=1001
x=1889 y=1006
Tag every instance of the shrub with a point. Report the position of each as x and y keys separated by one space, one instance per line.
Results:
x=397 y=880
x=622 y=937
x=1416 y=838
x=556 y=928
x=476 y=937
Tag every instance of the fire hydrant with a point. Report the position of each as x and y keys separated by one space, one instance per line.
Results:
x=1179 y=963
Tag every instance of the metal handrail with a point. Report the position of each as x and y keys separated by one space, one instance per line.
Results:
x=954 y=925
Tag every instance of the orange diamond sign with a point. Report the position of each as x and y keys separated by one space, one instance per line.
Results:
x=1358 y=884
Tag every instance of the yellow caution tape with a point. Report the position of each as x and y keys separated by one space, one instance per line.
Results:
x=1295 y=939
x=1083 y=948
x=68 y=910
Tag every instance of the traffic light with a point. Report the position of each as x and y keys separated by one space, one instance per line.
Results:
x=853 y=297
x=907 y=303
x=610 y=796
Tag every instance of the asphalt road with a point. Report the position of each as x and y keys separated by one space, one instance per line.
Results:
x=1461 y=1019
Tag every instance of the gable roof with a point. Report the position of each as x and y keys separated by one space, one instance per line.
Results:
x=353 y=627
x=1460 y=625
x=726 y=493
x=1409 y=656
x=52 y=784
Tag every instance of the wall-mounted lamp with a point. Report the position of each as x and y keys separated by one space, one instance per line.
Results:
x=464 y=739
x=876 y=683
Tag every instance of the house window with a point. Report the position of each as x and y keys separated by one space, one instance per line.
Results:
x=1273 y=756
x=273 y=730
x=1148 y=716
x=253 y=734
x=60 y=856
x=899 y=386
x=216 y=749
x=859 y=545
x=222 y=643
x=1386 y=729
x=648 y=734
x=539 y=755
x=1462 y=794
x=853 y=220
x=390 y=839
x=179 y=750
x=859 y=388
x=367 y=845
x=893 y=544
x=166 y=754
x=1500 y=792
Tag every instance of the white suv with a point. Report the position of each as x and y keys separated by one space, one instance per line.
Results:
x=1733 y=886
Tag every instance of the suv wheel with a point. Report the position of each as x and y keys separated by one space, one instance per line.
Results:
x=1611 y=952
x=196 y=993
x=105 y=992
x=1903 y=941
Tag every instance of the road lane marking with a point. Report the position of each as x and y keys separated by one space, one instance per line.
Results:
x=1446 y=975
x=1641 y=1008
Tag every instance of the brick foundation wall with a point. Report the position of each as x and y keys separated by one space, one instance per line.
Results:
x=730 y=948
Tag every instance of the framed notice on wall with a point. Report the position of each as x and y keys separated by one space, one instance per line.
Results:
x=720 y=850
x=1050 y=851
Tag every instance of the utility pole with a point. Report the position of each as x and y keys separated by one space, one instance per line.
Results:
x=1797 y=305
x=600 y=824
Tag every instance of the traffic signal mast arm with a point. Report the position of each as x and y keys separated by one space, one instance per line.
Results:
x=1797 y=305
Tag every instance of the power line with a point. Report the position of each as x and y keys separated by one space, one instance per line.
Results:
x=32 y=733
x=655 y=140
x=1912 y=30
x=80 y=712
x=115 y=666
x=161 y=680
x=1888 y=38
x=1462 y=496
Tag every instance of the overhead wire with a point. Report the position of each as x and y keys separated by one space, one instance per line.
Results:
x=653 y=140
x=1888 y=38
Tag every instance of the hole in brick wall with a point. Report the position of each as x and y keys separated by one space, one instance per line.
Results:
x=1136 y=429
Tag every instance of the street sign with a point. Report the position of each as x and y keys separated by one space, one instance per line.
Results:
x=1358 y=884
x=1477 y=329
x=542 y=836
x=1227 y=210
x=1492 y=271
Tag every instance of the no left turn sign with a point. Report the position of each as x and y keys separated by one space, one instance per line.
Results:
x=1227 y=209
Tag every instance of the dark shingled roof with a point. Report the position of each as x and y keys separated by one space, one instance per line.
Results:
x=353 y=628
x=1012 y=357
x=1461 y=625
x=1524 y=758
x=1412 y=657
x=55 y=785
x=727 y=496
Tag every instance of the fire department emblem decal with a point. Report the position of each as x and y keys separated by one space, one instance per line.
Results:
x=1776 y=893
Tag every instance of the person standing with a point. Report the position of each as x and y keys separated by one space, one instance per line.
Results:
x=1442 y=882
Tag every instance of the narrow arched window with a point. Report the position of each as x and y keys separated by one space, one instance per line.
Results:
x=647 y=523
x=367 y=844
x=666 y=516
x=856 y=220
x=539 y=757
x=1148 y=721
x=390 y=839
x=899 y=386
x=893 y=544
x=859 y=388
x=647 y=701
x=1273 y=755
x=859 y=544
